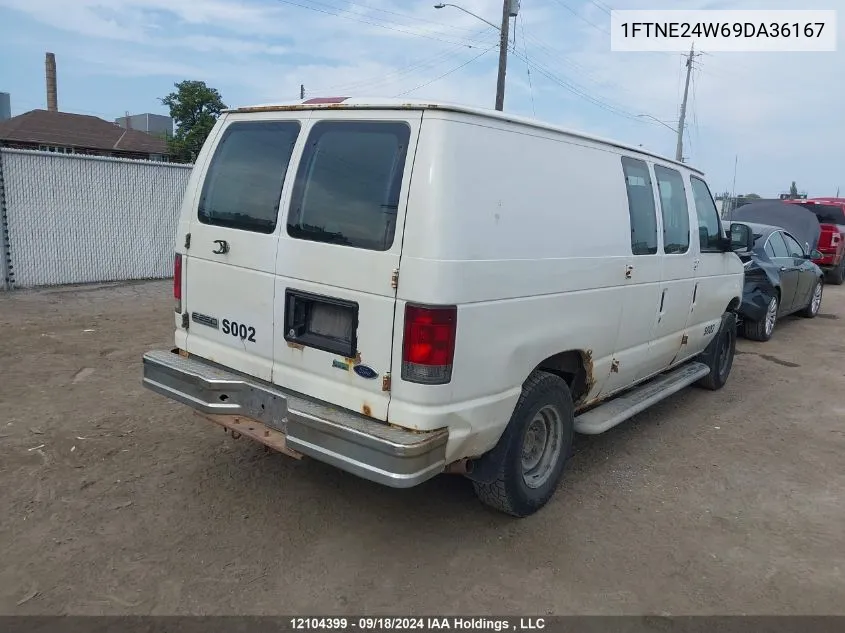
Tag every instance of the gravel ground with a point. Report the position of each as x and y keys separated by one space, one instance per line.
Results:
x=117 y=501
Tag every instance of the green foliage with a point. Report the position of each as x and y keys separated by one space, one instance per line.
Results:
x=751 y=196
x=194 y=107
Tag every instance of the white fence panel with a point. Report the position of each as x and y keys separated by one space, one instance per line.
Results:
x=78 y=219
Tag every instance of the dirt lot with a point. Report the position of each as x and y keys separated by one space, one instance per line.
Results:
x=114 y=500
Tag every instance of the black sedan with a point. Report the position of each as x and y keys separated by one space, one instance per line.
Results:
x=780 y=279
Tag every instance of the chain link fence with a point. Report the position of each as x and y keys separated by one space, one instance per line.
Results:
x=69 y=219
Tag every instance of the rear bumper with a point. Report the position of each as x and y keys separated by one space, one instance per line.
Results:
x=369 y=449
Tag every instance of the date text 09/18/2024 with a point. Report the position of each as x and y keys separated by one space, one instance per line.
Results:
x=417 y=623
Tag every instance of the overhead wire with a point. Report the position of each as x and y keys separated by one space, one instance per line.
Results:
x=527 y=67
x=383 y=24
x=393 y=76
x=407 y=16
x=574 y=89
x=453 y=70
x=581 y=17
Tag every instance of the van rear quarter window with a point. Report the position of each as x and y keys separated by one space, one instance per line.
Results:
x=673 y=204
x=640 y=206
x=348 y=184
x=243 y=186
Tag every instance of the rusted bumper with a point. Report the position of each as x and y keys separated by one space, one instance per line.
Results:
x=367 y=448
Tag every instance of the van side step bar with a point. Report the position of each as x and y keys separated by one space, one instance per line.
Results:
x=615 y=411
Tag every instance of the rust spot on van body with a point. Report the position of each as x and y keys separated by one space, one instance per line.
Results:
x=366 y=410
x=354 y=361
x=298 y=346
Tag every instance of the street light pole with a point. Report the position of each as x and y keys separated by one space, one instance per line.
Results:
x=510 y=8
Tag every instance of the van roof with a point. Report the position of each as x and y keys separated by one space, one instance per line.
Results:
x=405 y=104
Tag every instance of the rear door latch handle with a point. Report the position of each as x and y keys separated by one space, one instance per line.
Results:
x=222 y=247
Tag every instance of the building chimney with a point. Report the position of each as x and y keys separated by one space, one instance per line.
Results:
x=52 y=91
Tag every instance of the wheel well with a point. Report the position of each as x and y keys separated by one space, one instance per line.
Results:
x=575 y=367
x=733 y=305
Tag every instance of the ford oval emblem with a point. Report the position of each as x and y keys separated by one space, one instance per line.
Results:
x=366 y=372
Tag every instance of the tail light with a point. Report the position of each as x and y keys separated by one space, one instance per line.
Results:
x=177 y=281
x=428 y=346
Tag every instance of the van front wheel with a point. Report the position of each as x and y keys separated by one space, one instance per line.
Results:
x=719 y=355
x=535 y=444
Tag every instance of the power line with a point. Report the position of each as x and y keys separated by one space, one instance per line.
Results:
x=453 y=70
x=575 y=89
x=383 y=24
x=600 y=5
x=581 y=17
x=391 y=77
x=527 y=67
x=407 y=16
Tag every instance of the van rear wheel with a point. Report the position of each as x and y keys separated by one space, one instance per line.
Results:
x=536 y=446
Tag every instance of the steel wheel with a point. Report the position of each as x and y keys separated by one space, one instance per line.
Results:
x=771 y=316
x=726 y=352
x=541 y=446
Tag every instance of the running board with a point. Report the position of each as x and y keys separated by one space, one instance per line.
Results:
x=619 y=409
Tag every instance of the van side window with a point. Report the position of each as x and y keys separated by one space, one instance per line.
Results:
x=243 y=186
x=673 y=205
x=640 y=206
x=348 y=184
x=709 y=224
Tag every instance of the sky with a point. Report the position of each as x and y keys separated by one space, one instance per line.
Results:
x=777 y=117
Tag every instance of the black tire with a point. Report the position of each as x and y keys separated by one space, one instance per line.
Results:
x=719 y=355
x=760 y=330
x=811 y=309
x=837 y=275
x=508 y=492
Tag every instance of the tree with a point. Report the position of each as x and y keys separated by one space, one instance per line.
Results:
x=194 y=107
x=751 y=196
x=793 y=190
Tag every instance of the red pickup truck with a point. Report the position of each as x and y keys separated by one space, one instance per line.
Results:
x=831 y=215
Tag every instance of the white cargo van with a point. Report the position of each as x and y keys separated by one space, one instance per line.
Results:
x=402 y=290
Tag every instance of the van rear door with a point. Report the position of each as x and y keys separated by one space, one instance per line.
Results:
x=338 y=258
x=234 y=234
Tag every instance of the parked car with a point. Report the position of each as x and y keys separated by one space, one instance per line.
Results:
x=780 y=279
x=831 y=216
x=379 y=286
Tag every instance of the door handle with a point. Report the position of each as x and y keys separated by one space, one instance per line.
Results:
x=662 y=299
x=223 y=247
x=783 y=269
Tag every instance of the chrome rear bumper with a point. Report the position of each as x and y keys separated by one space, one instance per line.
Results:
x=364 y=447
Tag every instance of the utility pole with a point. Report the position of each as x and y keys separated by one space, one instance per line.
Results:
x=679 y=150
x=503 y=54
x=302 y=91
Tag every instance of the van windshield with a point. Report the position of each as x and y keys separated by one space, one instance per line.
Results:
x=243 y=187
x=348 y=184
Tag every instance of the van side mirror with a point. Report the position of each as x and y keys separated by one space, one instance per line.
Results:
x=815 y=254
x=741 y=237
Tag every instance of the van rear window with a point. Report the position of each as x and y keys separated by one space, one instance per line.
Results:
x=243 y=186
x=348 y=184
